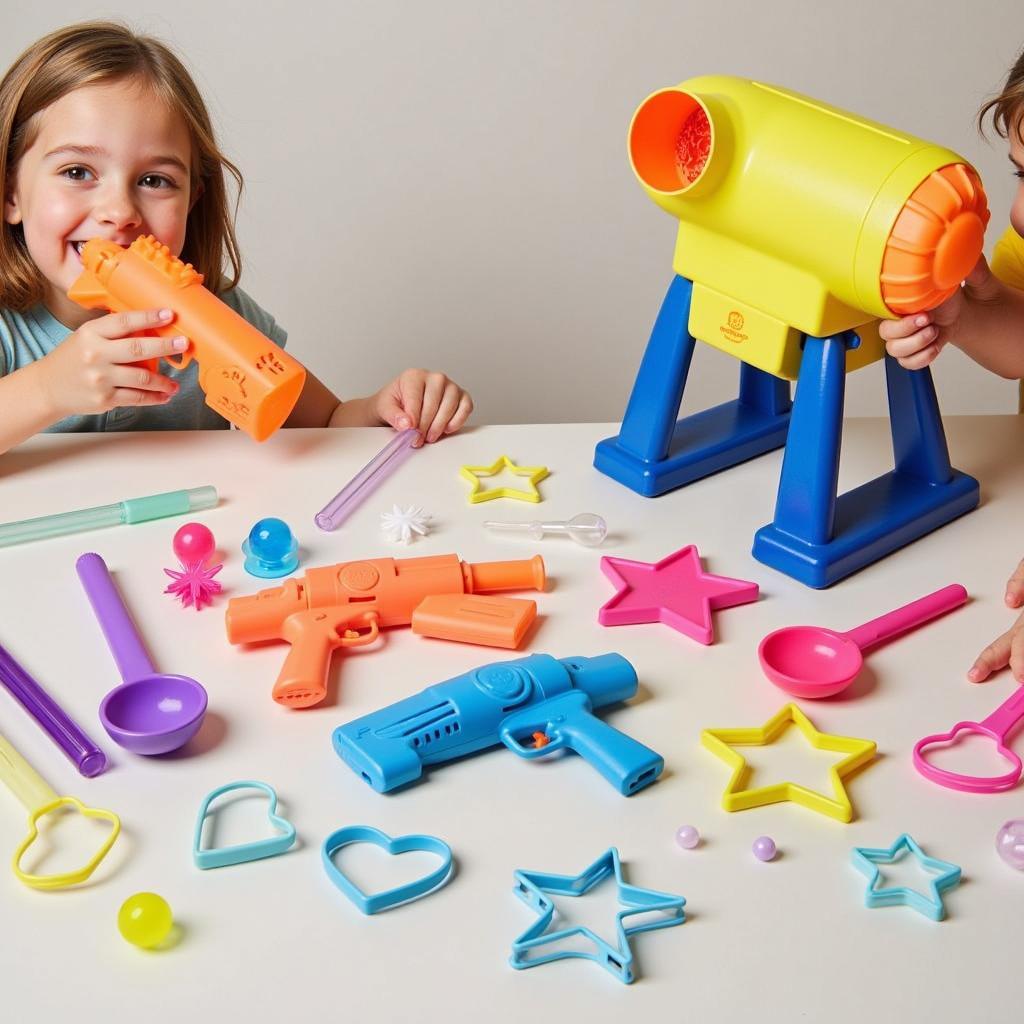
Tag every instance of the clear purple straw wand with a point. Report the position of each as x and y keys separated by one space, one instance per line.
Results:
x=386 y=461
x=55 y=721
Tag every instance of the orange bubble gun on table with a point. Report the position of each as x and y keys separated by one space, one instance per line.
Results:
x=246 y=378
x=348 y=604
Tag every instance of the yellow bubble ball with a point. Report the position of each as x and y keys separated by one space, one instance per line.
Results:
x=145 y=920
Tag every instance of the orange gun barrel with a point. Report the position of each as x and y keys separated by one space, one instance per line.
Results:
x=521 y=574
x=246 y=378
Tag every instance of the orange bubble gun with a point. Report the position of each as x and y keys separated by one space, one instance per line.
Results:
x=246 y=378
x=346 y=605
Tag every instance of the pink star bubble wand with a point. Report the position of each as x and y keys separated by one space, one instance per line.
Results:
x=194 y=585
x=676 y=591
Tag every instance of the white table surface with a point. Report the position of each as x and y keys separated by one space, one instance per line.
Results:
x=781 y=941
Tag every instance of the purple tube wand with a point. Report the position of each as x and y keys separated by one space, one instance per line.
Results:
x=67 y=734
x=388 y=459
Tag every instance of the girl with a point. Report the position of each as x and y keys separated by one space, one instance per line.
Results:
x=104 y=134
x=986 y=320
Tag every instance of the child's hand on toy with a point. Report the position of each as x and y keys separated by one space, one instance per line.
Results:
x=915 y=341
x=87 y=372
x=426 y=400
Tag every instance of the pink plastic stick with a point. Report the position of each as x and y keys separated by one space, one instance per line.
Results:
x=904 y=619
x=996 y=727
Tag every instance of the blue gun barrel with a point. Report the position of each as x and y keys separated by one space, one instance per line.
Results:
x=539 y=699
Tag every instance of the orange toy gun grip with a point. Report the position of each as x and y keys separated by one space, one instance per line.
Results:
x=302 y=682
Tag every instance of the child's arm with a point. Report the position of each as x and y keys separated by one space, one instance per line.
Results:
x=27 y=408
x=428 y=401
x=984 y=318
x=86 y=373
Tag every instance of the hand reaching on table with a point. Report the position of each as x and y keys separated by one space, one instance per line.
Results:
x=1008 y=648
x=429 y=401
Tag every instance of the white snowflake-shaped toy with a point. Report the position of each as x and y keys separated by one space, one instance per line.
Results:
x=401 y=524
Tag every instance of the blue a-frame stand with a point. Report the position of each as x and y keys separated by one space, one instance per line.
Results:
x=816 y=536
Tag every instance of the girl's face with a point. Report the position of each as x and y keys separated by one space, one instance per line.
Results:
x=1017 y=159
x=109 y=161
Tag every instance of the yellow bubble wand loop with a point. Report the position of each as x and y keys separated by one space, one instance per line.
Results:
x=34 y=792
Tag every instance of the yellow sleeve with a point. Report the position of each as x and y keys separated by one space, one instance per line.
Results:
x=1008 y=259
x=1008 y=266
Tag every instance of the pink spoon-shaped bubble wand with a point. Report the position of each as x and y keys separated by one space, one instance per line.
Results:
x=813 y=661
x=997 y=727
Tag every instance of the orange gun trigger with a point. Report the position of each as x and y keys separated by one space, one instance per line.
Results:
x=182 y=359
x=540 y=740
x=361 y=635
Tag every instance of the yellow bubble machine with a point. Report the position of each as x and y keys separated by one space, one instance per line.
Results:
x=800 y=225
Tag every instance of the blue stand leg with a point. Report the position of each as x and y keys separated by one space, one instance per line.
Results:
x=654 y=452
x=818 y=538
x=806 y=505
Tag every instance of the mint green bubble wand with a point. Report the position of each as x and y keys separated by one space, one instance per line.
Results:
x=132 y=510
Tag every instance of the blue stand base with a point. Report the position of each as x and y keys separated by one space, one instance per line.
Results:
x=872 y=521
x=701 y=444
x=817 y=536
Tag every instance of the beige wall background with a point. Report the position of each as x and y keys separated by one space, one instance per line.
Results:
x=446 y=184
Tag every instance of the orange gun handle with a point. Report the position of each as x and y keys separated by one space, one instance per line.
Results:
x=302 y=681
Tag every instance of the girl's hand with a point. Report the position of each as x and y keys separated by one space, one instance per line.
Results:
x=426 y=400
x=916 y=341
x=86 y=373
x=1007 y=649
x=1015 y=587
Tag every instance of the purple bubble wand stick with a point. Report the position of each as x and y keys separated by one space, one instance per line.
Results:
x=385 y=462
x=55 y=721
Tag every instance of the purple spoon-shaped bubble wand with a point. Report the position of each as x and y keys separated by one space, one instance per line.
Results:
x=150 y=712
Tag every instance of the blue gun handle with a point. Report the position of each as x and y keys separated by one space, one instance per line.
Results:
x=568 y=723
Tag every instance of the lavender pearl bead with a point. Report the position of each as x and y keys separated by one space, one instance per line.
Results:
x=687 y=837
x=764 y=848
x=1010 y=843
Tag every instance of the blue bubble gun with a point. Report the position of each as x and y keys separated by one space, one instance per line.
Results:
x=534 y=705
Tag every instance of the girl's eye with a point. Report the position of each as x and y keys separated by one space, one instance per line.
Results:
x=155 y=181
x=76 y=173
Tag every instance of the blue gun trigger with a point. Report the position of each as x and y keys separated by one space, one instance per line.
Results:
x=544 y=717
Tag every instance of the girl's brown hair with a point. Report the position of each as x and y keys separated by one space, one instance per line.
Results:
x=1007 y=109
x=103 y=51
